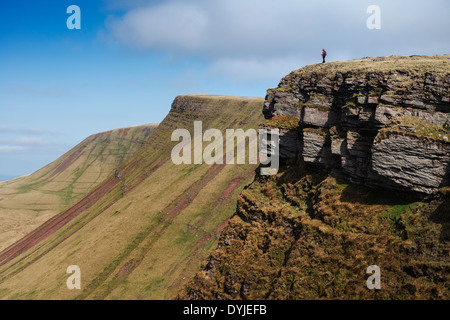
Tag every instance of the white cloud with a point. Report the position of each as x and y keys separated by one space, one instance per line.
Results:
x=174 y=25
x=8 y=148
x=229 y=28
x=29 y=144
x=127 y=4
x=26 y=131
x=256 y=38
x=29 y=141
x=254 y=68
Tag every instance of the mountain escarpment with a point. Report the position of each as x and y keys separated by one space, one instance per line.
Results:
x=143 y=232
x=357 y=138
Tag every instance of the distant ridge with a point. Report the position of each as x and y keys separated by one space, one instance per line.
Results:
x=145 y=230
x=28 y=201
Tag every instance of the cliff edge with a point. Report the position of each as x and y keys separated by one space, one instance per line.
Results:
x=382 y=122
x=306 y=233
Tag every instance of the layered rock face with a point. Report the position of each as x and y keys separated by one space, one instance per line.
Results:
x=382 y=122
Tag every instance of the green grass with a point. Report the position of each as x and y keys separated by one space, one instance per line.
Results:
x=65 y=181
x=349 y=105
x=413 y=65
x=141 y=230
x=396 y=210
x=155 y=285
x=186 y=237
x=321 y=132
x=286 y=122
x=325 y=253
x=414 y=127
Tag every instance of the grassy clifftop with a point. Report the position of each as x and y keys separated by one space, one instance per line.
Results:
x=28 y=201
x=438 y=64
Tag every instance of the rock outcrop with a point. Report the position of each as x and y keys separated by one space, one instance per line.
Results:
x=381 y=122
x=303 y=235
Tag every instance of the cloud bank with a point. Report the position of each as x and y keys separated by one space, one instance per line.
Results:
x=13 y=140
x=246 y=37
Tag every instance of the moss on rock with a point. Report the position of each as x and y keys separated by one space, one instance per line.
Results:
x=286 y=122
x=415 y=127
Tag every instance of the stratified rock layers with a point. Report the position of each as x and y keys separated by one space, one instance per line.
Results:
x=381 y=122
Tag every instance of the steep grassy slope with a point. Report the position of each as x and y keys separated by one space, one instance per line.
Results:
x=304 y=235
x=307 y=233
x=28 y=201
x=144 y=231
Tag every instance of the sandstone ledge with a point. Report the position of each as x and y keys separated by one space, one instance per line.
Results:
x=381 y=122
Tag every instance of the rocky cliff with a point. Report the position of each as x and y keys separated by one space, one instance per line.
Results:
x=383 y=122
x=304 y=233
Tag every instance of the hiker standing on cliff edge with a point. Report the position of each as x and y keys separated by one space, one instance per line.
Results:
x=324 y=54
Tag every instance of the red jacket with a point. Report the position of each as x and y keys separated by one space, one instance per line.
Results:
x=324 y=53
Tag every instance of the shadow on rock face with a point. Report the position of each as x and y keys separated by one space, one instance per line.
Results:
x=446 y=181
x=442 y=216
x=359 y=193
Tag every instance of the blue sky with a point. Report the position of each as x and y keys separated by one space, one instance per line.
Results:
x=132 y=58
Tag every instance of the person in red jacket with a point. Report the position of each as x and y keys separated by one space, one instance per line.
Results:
x=324 y=54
